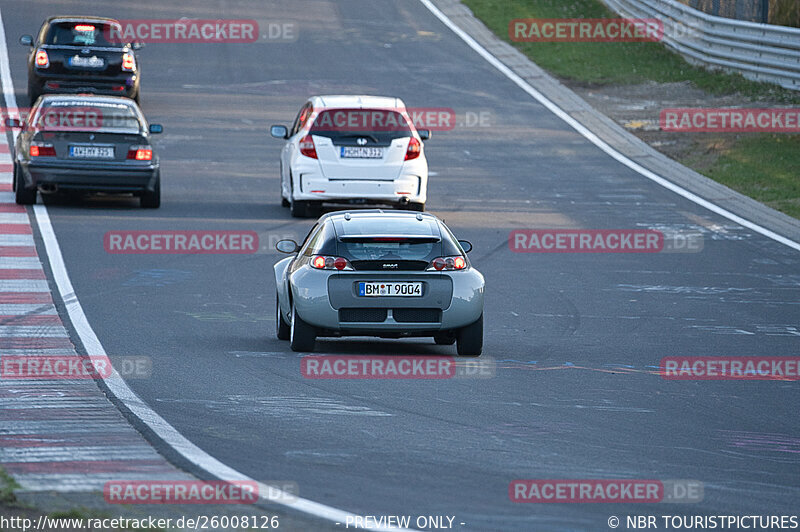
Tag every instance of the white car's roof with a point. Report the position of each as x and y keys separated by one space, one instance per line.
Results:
x=345 y=101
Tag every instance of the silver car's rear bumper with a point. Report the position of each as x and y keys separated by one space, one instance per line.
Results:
x=329 y=300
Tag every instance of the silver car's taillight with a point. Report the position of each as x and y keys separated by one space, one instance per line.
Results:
x=439 y=264
x=325 y=262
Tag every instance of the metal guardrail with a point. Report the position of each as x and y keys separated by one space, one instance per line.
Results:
x=761 y=52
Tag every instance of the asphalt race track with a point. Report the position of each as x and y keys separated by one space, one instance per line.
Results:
x=577 y=337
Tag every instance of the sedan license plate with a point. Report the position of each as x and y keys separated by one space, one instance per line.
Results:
x=91 y=152
x=358 y=152
x=88 y=62
x=381 y=288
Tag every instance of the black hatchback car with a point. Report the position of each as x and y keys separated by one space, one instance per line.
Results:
x=81 y=55
x=87 y=144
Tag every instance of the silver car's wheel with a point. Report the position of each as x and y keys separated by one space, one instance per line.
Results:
x=470 y=339
x=282 y=328
x=301 y=334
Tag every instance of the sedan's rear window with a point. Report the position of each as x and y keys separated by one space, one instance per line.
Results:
x=388 y=238
x=82 y=34
x=380 y=124
x=388 y=249
x=77 y=115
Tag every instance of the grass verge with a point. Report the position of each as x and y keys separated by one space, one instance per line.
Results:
x=763 y=166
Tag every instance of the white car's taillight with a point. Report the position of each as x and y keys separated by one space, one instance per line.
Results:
x=307 y=147
x=414 y=149
x=323 y=262
x=447 y=264
x=42 y=59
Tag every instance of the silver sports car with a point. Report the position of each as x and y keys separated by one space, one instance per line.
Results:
x=379 y=273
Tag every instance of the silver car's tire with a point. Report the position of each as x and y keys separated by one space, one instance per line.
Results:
x=469 y=339
x=301 y=335
x=282 y=328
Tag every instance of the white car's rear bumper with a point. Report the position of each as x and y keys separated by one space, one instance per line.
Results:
x=317 y=188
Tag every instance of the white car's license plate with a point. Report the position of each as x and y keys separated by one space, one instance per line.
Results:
x=89 y=62
x=91 y=152
x=358 y=152
x=382 y=288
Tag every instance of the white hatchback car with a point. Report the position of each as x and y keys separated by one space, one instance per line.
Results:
x=352 y=150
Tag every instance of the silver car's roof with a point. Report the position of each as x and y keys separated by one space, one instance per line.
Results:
x=362 y=213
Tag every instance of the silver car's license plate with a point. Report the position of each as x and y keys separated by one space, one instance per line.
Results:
x=357 y=152
x=382 y=288
x=88 y=62
x=91 y=152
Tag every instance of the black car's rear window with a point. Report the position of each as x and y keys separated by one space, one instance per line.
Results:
x=381 y=124
x=82 y=34
x=388 y=238
x=87 y=115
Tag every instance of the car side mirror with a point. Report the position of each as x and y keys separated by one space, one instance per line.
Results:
x=287 y=246
x=26 y=40
x=424 y=134
x=155 y=129
x=13 y=123
x=466 y=245
x=137 y=45
x=279 y=132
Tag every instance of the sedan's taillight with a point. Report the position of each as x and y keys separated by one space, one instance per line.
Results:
x=322 y=262
x=128 y=62
x=307 y=147
x=42 y=59
x=41 y=149
x=413 y=150
x=140 y=153
x=447 y=264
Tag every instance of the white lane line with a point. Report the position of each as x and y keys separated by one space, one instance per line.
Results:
x=597 y=141
x=8 y=197
x=117 y=385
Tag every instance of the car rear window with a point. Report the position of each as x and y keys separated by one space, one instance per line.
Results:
x=389 y=238
x=78 y=115
x=81 y=34
x=381 y=124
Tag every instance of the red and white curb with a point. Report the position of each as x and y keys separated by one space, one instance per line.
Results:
x=59 y=435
